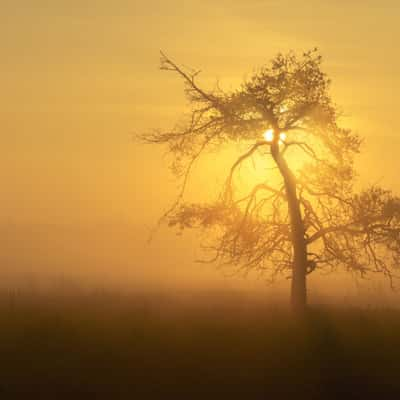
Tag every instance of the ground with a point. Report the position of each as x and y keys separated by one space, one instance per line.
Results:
x=214 y=346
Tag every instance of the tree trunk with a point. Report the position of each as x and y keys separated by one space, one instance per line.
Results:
x=299 y=268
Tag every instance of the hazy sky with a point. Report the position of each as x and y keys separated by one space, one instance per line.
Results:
x=79 y=77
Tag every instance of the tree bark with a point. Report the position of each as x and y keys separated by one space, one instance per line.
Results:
x=299 y=268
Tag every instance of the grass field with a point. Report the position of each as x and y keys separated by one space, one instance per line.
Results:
x=192 y=345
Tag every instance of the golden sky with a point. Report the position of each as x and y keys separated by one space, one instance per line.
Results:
x=78 y=77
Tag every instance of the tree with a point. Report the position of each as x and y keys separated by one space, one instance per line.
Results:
x=313 y=218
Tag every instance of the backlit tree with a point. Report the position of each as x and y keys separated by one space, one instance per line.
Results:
x=311 y=217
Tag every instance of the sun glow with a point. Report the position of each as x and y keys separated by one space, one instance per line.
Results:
x=269 y=136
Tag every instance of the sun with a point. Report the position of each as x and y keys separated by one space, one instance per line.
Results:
x=269 y=136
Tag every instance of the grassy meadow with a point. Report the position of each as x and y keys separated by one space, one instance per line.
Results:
x=189 y=345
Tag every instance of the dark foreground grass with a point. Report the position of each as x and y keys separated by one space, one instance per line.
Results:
x=186 y=346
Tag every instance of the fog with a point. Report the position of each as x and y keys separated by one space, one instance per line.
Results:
x=79 y=197
x=117 y=258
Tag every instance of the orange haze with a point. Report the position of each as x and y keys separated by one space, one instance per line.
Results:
x=78 y=197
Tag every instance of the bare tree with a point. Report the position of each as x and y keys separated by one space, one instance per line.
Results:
x=313 y=219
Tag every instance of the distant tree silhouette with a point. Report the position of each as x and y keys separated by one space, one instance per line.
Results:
x=313 y=219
